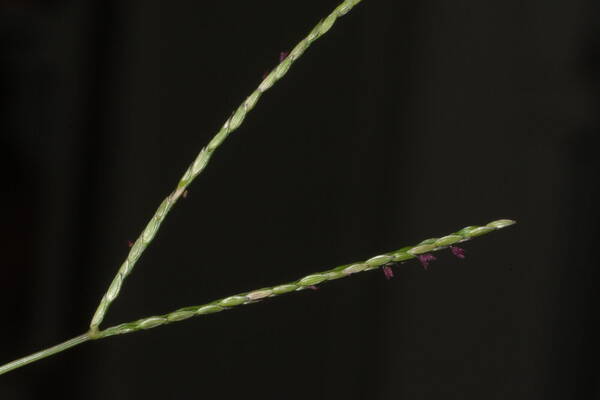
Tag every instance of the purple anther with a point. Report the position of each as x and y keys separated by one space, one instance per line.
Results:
x=388 y=272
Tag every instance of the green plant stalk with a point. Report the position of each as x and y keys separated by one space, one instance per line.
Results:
x=403 y=254
x=231 y=124
x=50 y=351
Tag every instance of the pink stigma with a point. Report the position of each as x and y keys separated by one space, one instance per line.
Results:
x=425 y=259
x=457 y=251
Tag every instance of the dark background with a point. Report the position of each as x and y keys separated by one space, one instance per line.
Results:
x=409 y=119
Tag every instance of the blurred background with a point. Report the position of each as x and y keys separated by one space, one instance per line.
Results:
x=409 y=119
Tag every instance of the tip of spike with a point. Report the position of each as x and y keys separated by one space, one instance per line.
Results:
x=501 y=223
